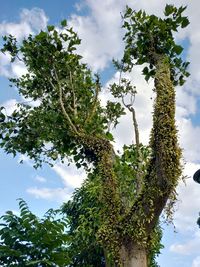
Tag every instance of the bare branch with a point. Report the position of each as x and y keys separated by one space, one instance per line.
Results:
x=132 y=110
x=73 y=95
x=67 y=117
x=135 y=125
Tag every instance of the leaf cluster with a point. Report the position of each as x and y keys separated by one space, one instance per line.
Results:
x=61 y=100
x=27 y=240
x=148 y=37
x=84 y=220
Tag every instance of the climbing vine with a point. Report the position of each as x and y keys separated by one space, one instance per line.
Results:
x=134 y=186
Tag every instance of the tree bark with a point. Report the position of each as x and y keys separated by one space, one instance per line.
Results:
x=133 y=256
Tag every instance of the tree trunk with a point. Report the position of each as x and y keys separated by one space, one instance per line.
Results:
x=133 y=256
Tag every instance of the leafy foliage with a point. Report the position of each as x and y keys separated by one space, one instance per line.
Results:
x=26 y=240
x=66 y=93
x=84 y=211
x=148 y=37
x=84 y=220
x=119 y=209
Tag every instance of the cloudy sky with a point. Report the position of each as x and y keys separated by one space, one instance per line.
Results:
x=98 y=24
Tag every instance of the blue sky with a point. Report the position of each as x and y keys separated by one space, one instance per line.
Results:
x=98 y=24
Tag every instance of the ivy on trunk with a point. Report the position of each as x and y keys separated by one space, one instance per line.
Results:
x=69 y=121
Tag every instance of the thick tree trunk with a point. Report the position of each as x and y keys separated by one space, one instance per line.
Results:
x=134 y=256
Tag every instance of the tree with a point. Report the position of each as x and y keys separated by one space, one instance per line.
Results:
x=68 y=96
x=84 y=216
x=27 y=240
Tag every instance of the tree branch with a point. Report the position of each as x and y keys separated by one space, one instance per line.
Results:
x=67 y=117
x=73 y=95
x=164 y=167
x=135 y=125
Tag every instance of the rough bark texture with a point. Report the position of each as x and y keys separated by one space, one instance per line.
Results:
x=163 y=173
x=166 y=168
x=133 y=257
x=137 y=225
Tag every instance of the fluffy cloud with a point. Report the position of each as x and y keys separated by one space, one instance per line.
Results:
x=186 y=216
x=100 y=32
x=9 y=105
x=40 y=179
x=71 y=177
x=4 y=63
x=189 y=136
x=196 y=262
x=18 y=68
x=35 y=17
x=30 y=21
x=52 y=194
x=9 y=70
x=188 y=248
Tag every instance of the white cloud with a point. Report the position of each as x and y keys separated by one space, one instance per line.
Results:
x=52 y=194
x=35 y=17
x=8 y=70
x=189 y=247
x=186 y=100
x=9 y=105
x=189 y=136
x=40 y=179
x=100 y=32
x=18 y=68
x=196 y=262
x=19 y=30
x=4 y=63
x=71 y=177
x=188 y=206
x=30 y=21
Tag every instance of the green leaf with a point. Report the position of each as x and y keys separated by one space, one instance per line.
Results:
x=169 y=9
x=41 y=35
x=64 y=23
x=109 y=136
x=185 y=22
x=178 y=49
x=128 y=11
x=50 y=28
x=2 y=117
x=145 y=71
